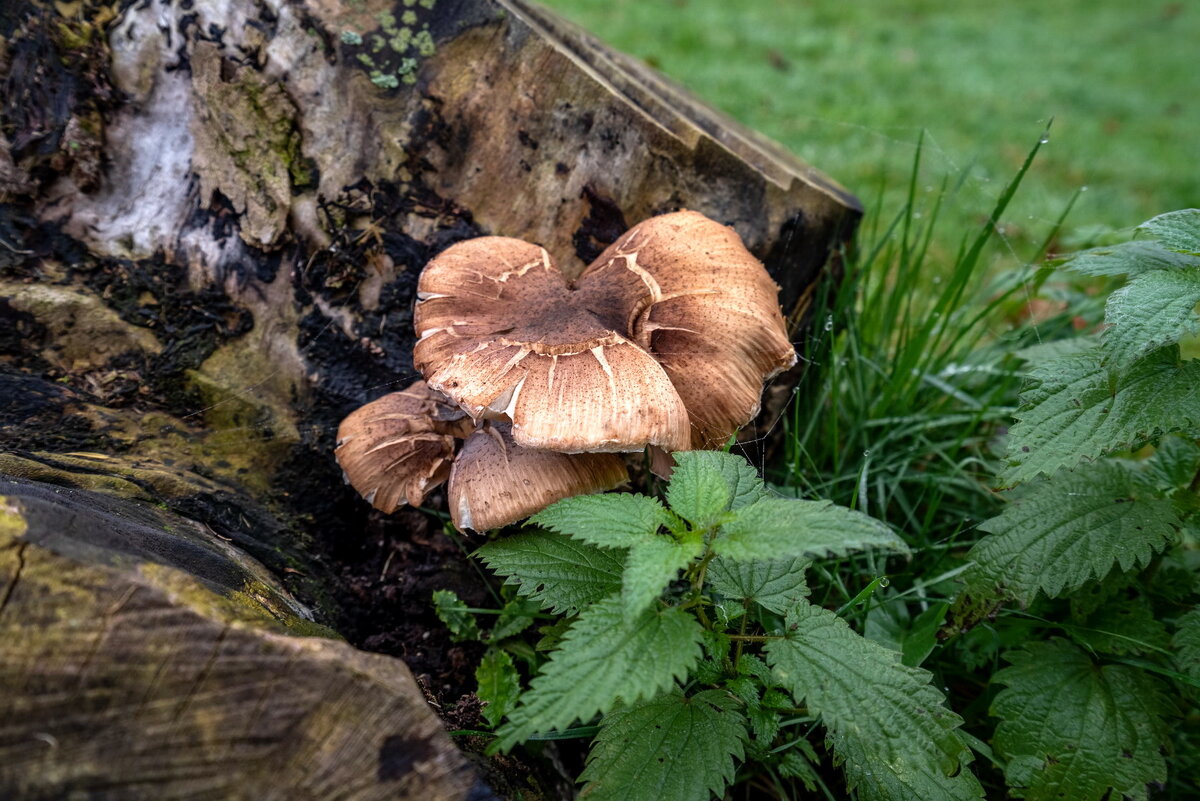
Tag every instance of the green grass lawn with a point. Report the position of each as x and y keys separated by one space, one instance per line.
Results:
x=848 y=86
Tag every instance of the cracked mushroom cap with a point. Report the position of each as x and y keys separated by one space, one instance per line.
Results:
x=664 y=340
x=396 y=449
x=713 y=319
x=495 y=482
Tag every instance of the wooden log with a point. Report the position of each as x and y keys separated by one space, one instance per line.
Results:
x=212 y=216
x=142 y=657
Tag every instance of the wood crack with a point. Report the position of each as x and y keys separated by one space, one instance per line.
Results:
x=202 y=676
x=11 y=586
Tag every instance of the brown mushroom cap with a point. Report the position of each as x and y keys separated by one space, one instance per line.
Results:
x=396 y=448
x=665 y=339
x=713 y=322
x=505 y=335
x=495 y=482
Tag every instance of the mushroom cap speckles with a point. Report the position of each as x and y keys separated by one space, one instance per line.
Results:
x=665 y=339
x=397 y=448
x=495 y=482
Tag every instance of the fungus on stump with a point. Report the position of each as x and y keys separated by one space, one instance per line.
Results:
x=212 y=218
x=663 y=342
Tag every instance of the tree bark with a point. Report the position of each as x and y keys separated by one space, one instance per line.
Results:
x=212 y=216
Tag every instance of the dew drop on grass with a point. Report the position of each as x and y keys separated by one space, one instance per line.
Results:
x=884 y=582
x=829 y=322
x=1045 y=138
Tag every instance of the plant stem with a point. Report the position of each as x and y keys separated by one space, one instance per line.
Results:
x=737 y=653
x=753 y=637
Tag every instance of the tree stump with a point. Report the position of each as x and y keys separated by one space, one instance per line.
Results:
x=212 y=217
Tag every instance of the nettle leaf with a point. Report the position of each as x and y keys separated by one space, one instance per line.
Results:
x=885 y=721
x=1177 y=230
x=1068 y=529
x=673 y=748
x=698 y=492
x=515 y=617
x=499 y=685
x=619 y=520
x=1073 y=729
x=1174 y=463
x=1075 y=410
x=1123 y=627
x=453 y=612
x=1129 y=258
x=561 y=574
x=706 y=483
x=650 y=567
x=1154 y=309
x=777 y=585
x=1187 y=644
x=779 y=528
x=602 y=658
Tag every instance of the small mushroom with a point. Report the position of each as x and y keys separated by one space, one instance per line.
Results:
x=664 y=340
x=396 y=449
x=495 y=482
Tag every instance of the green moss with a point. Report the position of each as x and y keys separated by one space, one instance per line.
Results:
x=12 y=522
x=409 y=18
x=351 y=38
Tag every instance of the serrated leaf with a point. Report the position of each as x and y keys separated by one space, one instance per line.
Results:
x=1129 y=258
x=499 y=684
x=650 y=567
x=672 y=748
x=764 y=724
x=885 y=721
x=1123 y=627
x=1069 y=529
x=616 y=520
x=697 y=492
x=1073 y=729
x=515 y=617
x=1154 y=309
x=800 y=762
x=1176 y=230
x=453 y=612
x=604 y=657
x=1174 y=463
x=706 y=483
x=776 y=585
x=561 y=574
x=778 y=528
x=1072 y=411
x=1186 y=643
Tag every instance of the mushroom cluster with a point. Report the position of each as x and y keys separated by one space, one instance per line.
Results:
x=664 y=341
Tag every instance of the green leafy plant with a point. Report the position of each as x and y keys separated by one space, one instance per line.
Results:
x=1098 y=542
x=691 y=637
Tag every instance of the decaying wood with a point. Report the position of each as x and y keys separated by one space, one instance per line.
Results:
x=212 y=216
x=141 y=657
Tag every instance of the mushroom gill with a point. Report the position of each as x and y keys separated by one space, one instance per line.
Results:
x=495 y=482
x=397 y=448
